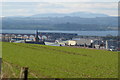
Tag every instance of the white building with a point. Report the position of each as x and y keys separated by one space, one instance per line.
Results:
x=92 y=43
x=71 y=42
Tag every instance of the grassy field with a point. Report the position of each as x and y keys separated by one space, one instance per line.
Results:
x=0 y=50
x=58 y=62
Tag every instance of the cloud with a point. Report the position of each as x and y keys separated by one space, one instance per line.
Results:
x=60 y=0
x=106 y=8
x=59 y=7
x=49 y=5
x=15 y=12
x=91 y=5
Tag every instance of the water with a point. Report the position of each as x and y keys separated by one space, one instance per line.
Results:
x=86 y=33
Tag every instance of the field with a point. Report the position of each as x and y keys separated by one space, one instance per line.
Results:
x=58 y=62
x=0 y=50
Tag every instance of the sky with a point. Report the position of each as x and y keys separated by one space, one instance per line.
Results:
x=28 y=8
x=60 y=0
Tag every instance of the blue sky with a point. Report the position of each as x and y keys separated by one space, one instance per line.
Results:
x=31 y=8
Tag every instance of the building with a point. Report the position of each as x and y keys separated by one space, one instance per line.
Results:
x=91 y=43
x=84 y=42
x=26 y=40
x=112 y=45
x=80 y=42
x=37 y=40
x=99 y=44
x=71 y=43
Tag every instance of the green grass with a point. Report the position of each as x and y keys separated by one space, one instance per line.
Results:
x=61 y=62
x=0 y=49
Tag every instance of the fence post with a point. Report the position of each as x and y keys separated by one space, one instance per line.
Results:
x=58 y=79
x=24 y=73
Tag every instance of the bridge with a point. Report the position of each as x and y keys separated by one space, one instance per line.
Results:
x=41 y=35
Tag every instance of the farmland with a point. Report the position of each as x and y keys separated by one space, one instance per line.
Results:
x=0 y=49
x=58 y=62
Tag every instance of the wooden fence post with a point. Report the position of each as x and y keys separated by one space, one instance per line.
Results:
x=24 y=73
x=58 y=79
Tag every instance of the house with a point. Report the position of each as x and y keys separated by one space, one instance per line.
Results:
x=84 y=42
x=17 y=40
x=112 y=45
x=91 y=43
x=80 y=42
x=71 y=43
x=99 y=44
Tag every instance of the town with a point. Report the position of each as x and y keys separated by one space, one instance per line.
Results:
x=109 y=42
x=59 y=40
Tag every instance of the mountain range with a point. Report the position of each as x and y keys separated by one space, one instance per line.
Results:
x=61 y=21
x=75 y=14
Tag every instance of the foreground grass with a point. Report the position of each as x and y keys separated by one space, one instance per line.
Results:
x=60 y=62
x=0 y=49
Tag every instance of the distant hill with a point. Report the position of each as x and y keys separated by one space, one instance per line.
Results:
x=75 y=14
x=52 y=21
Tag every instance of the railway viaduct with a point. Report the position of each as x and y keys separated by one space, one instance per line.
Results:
x=41 y=35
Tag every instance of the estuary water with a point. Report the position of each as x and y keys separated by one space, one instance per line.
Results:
x=84 y=33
